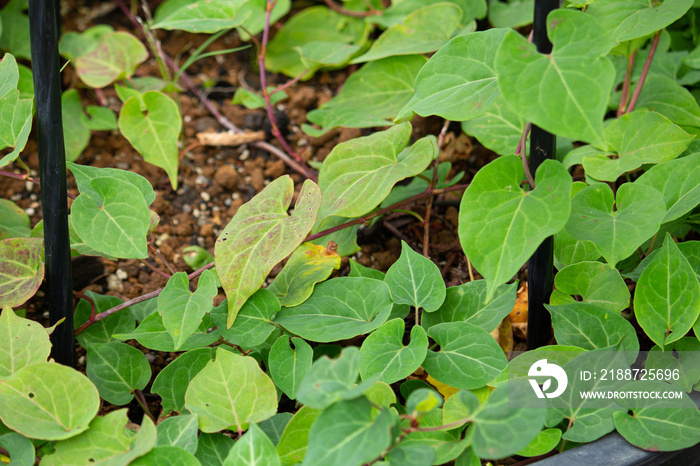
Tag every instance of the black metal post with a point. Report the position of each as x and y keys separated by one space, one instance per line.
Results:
x=43 y=24
x=540 y=278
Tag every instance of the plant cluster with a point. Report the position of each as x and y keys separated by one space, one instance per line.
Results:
x=618 y=90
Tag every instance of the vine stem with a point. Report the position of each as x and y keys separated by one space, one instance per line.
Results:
x=266 y=95
x=27 y=178
x=645 y=72
x=626 y=85
x=140 y=299
x=223 y=121
x=520 y=150
x=364 y=219
x=433 y=183
x=357 y=14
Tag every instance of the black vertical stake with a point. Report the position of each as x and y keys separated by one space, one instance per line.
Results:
x=43 y=22
x=540 y=279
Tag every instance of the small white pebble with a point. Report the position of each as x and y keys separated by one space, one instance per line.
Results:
x=201 y=241
x=227 y=202
x=302 y=142
x=162 y=238
x=114 y=284
x=29 y=211
x=235 y=196
x=244 y=155
x=198 y=170
x=150 y=357
x=28 y=185
x=33 y=197
x=81 y=360
x=196 y=213
x=121 y=275
x=201 y=179
x=187 y=208
x=205 y=196
x=15 y=197
x=187 y=118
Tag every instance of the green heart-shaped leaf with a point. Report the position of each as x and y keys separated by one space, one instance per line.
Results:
x=230 y=392
x=467 y=303
x=154 y=130
x=424 y=30
x=595 y=282
x=459 y=81
x=183 y=310
x=637 y=138
x=288 y=366
x=590 y=327
x=665 y=423
x=340 y=308
x=112 y=218
x=679 y=183
x=358 y=174
x=468 y=358
x=384 y=354
x=415 y=280
x=117 y=369
x=616 y=233
x=501 y=226
x=632 y=19
x=667 y=296
x=567 y=91
x=208 y=16
x=252 y=449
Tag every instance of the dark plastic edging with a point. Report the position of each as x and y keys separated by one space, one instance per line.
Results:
x=614 y=450
x=43 y=24
x=540 y=278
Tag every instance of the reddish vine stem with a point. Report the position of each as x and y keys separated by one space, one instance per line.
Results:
x=266 y=95
x=223 y=121
x=140 y=299
x=88 y=299
x=363 y=220
x=155 y=269
x=626 y=85
x=27 y=178
x=162 y=259
x=645 y=72
x=289 y=83
x=357 y=14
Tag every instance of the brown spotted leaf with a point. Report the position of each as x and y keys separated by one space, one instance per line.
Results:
x=260 y=235
x=21 y=270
